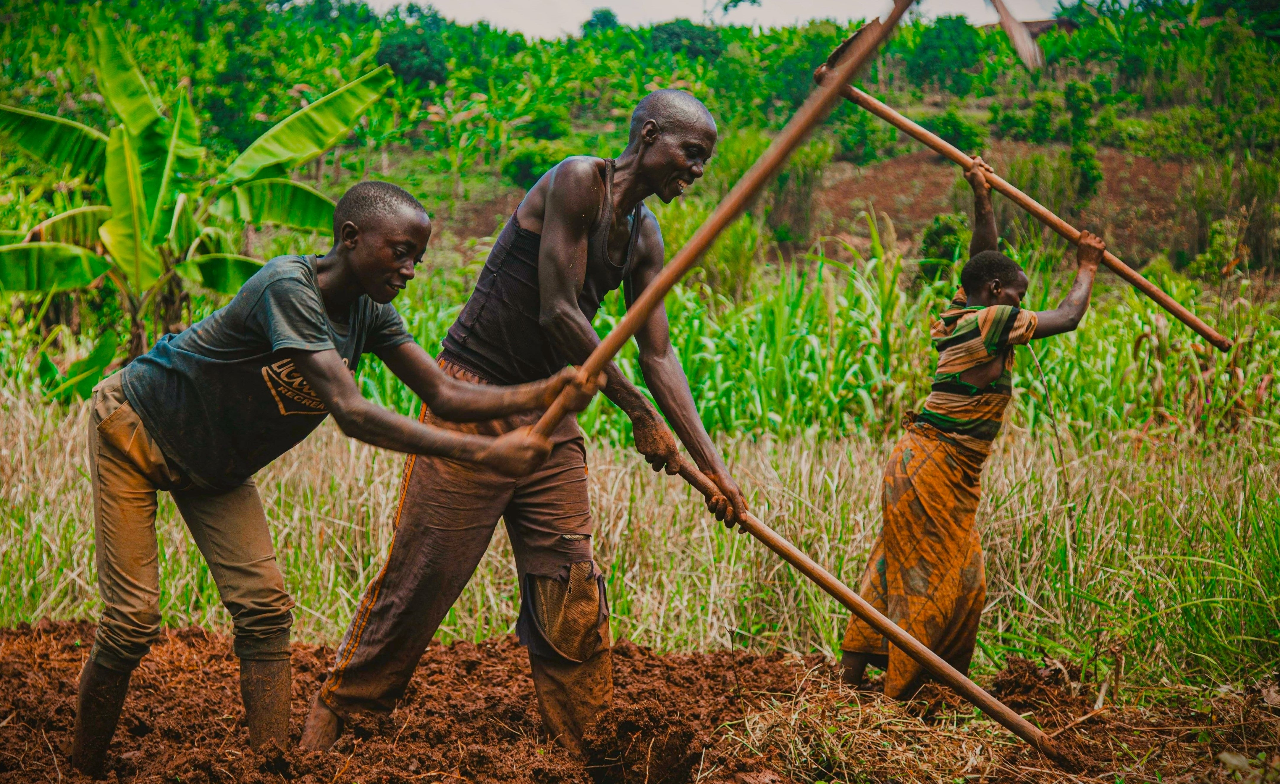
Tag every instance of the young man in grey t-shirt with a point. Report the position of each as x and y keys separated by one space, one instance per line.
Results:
x=204 y=410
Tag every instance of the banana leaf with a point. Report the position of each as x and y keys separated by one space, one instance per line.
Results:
x=309 y=132
x=182 y=153
x=183 y=229
x=82 y=375
x=54 y=140
x=48 y=266
x=120 y=81
x=224 y=273
x=285 y=203
x=75 y=227
x=125 y=234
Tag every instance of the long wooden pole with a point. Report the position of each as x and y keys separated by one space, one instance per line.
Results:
x=854 y=53
x=935 y=664
x=851 y=56
x=1066 y=230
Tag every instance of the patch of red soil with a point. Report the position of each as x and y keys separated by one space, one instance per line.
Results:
x=1135 y=210
x=470 y=715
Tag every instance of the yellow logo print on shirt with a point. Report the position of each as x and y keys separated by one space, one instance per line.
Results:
x=292 y=392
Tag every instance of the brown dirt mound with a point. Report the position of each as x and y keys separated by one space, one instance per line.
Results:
x=721 y=718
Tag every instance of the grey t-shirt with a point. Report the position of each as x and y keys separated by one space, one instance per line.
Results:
x=223 y=398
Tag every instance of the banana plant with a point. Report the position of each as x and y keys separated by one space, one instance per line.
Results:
x=163 y=225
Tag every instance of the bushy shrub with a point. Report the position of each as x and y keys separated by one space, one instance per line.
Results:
x=861 y=138
x=1223 y=253
x=955 y=129
x=946 y=55
x=548 y=122
x=792 y=212
x=946 y=237
x=418 y=52
x=681 y=35
x=1040 y=128
x=530 y=159
x=601 y=19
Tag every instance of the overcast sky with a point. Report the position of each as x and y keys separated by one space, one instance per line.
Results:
x=553 y=18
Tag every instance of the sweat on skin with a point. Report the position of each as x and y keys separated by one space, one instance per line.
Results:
x=580 y=232
x=205 y=409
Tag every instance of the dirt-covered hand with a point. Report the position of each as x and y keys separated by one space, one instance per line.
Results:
x=518 y=453
x=729 y=506
x=977 y=176
x=1089 y=251
x=657 y=443
x=579 y=394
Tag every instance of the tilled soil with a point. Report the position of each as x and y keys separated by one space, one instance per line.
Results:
x=470 y=715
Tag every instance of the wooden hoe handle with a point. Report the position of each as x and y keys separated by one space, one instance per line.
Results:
x=1067 y=231
x=935 y=664
x=846 y=62
x=819 y=103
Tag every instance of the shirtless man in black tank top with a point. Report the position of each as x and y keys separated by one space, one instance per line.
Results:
x=579 y=233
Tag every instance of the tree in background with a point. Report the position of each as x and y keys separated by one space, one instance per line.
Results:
x=417 y=52
x=601 y=19
x=694 y=40
x=1081 y=100
x=946 y=55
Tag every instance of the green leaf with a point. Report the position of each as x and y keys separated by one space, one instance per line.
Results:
x=224 y=273
x=125 y=234
x=183 y=229
x=48 y=266
x=309 y=132
x=182 y=153
x=120 y=81
x=75 y=227
x=285 y=203
x=83 y=374
x=54 y=140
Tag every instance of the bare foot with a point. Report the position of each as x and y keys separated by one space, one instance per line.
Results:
x=322 y=728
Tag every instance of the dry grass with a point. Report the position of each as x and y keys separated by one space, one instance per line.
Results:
x=1164 y=555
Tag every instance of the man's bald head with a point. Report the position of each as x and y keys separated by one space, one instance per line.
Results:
x=670 y=109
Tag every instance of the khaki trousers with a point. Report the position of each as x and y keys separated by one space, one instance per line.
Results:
x=230 y=528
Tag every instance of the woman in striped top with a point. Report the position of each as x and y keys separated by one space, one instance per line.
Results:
x=926 y=571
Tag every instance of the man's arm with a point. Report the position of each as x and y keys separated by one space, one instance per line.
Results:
x=985 y=234
x=1066 y=317
x=572 y=203
x=665 y=378
x=459 y=401
x=517 y=453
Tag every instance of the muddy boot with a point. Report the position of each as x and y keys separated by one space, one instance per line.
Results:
x=571 y=696
x=265 y=687
x=101 y=697
x=322 y=728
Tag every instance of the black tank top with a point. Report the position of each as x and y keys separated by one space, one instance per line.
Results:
x=498 y=335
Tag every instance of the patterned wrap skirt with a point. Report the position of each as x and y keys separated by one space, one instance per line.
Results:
x=925 y=571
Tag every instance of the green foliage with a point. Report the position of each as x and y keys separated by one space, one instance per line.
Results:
x=1222 y=254
x=944 y=242
x=530 y=160
x=957 y=130
x=946 y=54
x=693 y=40
x=601 y=19
x=862 y=139
x=418 y=53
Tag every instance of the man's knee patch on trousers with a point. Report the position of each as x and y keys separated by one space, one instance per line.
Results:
x=565 y=617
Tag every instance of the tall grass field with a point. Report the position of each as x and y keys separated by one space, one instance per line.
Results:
x=1129 y=513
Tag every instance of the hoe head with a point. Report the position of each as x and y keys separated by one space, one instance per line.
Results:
x=840 y=52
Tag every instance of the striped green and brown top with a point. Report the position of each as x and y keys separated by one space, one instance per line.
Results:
x=966 y=337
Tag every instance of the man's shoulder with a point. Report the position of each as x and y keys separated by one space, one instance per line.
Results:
x=578 y=173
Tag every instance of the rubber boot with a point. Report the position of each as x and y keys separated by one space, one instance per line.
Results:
x=265 y=687
x=571 y=696
x=322 y=728
x=102 y=692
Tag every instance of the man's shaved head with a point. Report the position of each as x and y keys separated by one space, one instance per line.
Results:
x=669 y=109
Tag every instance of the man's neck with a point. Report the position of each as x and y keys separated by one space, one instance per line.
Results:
x=337 y=282
x=630 y=187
